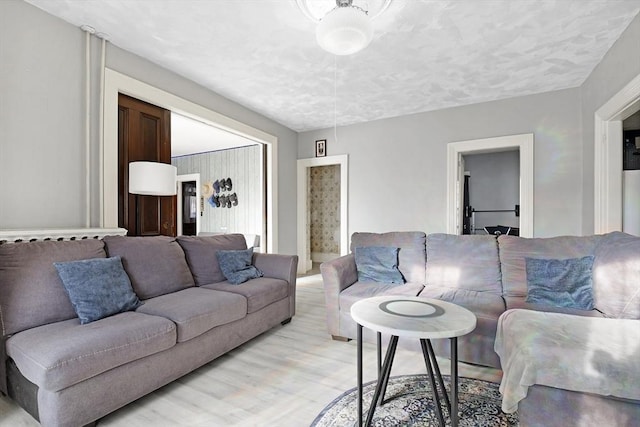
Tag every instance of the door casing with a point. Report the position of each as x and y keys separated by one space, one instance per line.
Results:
x=303 y=235
x=523 y=143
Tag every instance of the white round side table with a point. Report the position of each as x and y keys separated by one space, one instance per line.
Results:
x=419 y=318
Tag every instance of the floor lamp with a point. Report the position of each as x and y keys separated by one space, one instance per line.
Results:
x=151 y=179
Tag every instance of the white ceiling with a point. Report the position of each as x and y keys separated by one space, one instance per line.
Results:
x=425 y=55
x=189 y=136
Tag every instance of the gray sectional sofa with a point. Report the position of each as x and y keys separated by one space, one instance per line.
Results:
x=68 y=374
x=487 y=275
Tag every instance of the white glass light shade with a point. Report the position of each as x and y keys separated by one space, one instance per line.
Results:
x=152 y=179
x=344 y=30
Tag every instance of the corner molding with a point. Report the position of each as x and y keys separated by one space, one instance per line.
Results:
x=11 y=236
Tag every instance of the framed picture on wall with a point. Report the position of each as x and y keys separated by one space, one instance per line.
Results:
x=321 y=148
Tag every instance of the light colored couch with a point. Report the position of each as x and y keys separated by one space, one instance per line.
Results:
x=487 y=275
x=67 y=374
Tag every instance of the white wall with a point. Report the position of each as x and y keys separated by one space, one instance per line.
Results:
x=397 y=166
x=494 y=185
x=42 y=122
x=620 y=65
x=243 y=166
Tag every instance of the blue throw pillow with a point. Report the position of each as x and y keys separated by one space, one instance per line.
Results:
x=560 y=282
x=97 y=287
x=378 y=264
x=237 y=265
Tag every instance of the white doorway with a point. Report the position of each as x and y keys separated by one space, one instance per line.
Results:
x=181 y=201
x=115 y=83
x=608 y=157
x=455 y=176
x=491 y=198
x=304 y=168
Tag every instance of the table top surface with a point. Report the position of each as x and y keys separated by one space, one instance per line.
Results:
x=413 y=317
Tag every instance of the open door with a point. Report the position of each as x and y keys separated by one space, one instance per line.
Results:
x=144 y=134
x=189 y=204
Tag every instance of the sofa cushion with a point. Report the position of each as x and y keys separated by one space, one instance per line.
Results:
x=477 y=346
x=482 y=304
x=58 y=355
x=259 y=292
x=360 y=290
x=513 y=251
x=378 y=264
x=236 y=265
x=196 y=310
x=201 y=255
x=156 y=265
x=97 y=287
x=466 y=262
x=411 y=257
x=616 y=276
x=519 y=302
x=560 y=282
x=31 y=292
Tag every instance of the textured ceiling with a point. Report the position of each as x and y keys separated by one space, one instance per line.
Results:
x=190 y=136
x=425 y=55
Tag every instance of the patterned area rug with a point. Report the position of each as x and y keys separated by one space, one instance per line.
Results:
x=410 y=403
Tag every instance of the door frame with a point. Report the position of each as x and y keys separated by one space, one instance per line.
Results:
x=179 y=208
x=523 y=143
x=303 y=167
x=114 y=83
x=607 y=186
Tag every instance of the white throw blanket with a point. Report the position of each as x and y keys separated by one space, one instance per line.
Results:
x=583 y=354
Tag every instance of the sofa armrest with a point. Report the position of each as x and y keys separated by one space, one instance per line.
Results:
x=282 y=267
x=337 y=275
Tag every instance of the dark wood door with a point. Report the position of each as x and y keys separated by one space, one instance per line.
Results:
x=144 y=134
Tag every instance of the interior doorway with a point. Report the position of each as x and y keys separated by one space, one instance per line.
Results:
x=189 y=208
x=491 y=198
x=456 y=151
x=330 y=219
x=116 y=83
x=608 y=134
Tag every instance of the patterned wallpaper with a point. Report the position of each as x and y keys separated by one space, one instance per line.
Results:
x=324 y=201
x=243 y=166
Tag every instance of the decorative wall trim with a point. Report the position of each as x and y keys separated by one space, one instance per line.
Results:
x=11 y=236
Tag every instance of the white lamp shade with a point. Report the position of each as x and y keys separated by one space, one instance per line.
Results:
x=344 y=31
x=152 y=179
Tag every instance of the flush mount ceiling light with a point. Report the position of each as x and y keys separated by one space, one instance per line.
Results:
x=346 y=28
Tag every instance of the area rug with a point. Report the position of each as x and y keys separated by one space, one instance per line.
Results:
x=410 y=403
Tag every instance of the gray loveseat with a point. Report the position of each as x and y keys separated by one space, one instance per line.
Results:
x=67 y=374
x=487 y=275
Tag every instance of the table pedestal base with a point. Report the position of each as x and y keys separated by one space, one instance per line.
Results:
x=433 y=370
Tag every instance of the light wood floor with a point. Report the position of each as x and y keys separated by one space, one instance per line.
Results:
x=284 y=377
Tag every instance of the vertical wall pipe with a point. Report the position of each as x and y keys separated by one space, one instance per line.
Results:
x=87 y=123
x=101 y=130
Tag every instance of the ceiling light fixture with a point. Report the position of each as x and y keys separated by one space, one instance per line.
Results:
x=345 y=29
